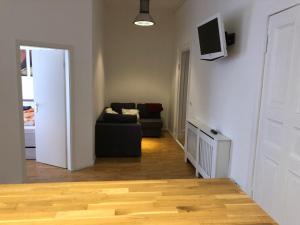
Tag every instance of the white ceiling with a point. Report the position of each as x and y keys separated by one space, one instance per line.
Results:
x=170 y=4
x=164 y=4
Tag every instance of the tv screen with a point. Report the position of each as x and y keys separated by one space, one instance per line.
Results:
x=212 y=39
x=209 y=37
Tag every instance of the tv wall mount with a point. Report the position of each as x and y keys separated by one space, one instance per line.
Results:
x=230 y=38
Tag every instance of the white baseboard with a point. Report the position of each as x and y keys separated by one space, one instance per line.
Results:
x=174 y=137
x=180 y=144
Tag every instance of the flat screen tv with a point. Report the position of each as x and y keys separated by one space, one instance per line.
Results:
x=212 y=39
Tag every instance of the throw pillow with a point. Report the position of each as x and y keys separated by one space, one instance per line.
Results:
x=133 y=112
x=110 y=111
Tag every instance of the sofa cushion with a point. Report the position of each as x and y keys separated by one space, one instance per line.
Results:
x=146 y=114
x=151 y=123
x=154 y=107
x=118 y=118
x=119 y=106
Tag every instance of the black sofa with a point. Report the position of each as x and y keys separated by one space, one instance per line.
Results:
x=150 y=121
x=118 y=135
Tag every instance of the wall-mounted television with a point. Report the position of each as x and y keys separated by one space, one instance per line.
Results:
x=212 y=38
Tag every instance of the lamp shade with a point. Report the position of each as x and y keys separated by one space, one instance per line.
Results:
x=144 y=18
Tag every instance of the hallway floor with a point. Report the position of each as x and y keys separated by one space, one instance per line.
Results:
x=150 y=190
x=162 y=158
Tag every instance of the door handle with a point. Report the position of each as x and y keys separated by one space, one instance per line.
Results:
x=37 y=105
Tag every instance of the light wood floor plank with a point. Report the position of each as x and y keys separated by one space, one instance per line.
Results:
x=186 y=201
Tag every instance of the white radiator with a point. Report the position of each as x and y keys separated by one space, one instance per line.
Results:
x=208 y=153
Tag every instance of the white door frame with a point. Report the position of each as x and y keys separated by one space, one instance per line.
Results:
x=69 y=99
x=184 y=48
x=275 y=9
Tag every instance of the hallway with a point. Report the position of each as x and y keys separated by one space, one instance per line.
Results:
x=162 y=158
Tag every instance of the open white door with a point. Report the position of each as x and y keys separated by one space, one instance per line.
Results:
x=277 y=184
x=183 y=94
x=50 y=96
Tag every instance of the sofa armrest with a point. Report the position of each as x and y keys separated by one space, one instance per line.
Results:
x=116 y=140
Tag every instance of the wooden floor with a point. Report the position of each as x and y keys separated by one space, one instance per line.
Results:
x=160 y=202
x=162 y=158
x=157 y=189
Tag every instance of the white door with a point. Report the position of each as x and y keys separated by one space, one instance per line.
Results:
x=277 y=183
x=50 y=96
x=183 y=93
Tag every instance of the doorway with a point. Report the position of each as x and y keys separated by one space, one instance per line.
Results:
x=183 y=95
x=277 y=169
x=45 y=82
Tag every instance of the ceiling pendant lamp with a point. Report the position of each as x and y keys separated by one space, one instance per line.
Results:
x=144 y=18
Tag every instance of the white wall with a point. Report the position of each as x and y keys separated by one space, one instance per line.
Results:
x=138 y=61
x=98 y=55
x=226 y=94
x=222 y=93
x=58 y=22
